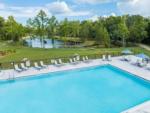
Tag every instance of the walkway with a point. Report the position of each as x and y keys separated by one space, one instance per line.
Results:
x=145 y=46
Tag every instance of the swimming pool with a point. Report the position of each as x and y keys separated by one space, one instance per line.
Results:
x=101 y=89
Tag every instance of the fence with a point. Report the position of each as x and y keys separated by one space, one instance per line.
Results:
x=8 y=65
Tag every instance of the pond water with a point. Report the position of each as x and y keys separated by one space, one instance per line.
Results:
x=48 y=43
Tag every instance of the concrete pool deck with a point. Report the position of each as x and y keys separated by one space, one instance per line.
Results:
x=116 y=61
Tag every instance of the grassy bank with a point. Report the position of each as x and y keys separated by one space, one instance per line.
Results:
x=36 y=53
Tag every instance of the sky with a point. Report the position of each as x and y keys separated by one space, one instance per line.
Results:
x=73 y=9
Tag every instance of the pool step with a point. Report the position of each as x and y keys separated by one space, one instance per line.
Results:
x=142 y=108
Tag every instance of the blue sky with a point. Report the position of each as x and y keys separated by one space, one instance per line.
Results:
x=73 y=9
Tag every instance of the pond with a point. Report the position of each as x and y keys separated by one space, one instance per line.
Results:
x=48 y=43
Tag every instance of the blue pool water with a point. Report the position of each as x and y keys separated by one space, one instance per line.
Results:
x=102 y=89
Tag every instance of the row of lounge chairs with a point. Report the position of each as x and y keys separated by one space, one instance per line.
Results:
x=106 y=58
x=25 y=66
x=137 y=62
x=57 y=62
x=40 y=65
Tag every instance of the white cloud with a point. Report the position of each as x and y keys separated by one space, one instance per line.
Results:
x=62 y=9
x=134 y=7
x=55 y=8
x=111 y=14
x=94 y=18
x=2 y=6
x=95 y=1
x=58 y=7
x=20 y=12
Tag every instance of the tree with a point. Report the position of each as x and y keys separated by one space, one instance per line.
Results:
x=2 y=25
x=137 y=28
x=52 y=26
x=102 y=36
x=14 y=31
x=123 y=32
x=64 y=28
x=40 y=24
x=74 y=28
x=85 y=30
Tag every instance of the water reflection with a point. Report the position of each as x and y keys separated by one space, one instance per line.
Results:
x=48 y=43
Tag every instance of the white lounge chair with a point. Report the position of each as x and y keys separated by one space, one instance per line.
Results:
x=134 y=61
x=78 y=58
x=72 y=61
x=86 y=59
x=104 y=58
x=23 y=66
x=42 y=64
x=142 y=64
x=127 y=58
x=56 y=63
x=148 y=66
x=83 y=58
x=28 y=64
x=16 y=68
x=60 y=62
x=109 y=58
x=37 y=66
x=52 y=61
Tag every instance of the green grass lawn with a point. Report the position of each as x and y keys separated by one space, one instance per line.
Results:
x=37 y=53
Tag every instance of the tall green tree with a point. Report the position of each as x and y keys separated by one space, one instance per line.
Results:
x=64 y=28
x=14 y=31
x=102 y=36
x=123 y=31
x=137 y=28
x=85 y=30
x=40 y=24
x=2 y=31
x=52 y=26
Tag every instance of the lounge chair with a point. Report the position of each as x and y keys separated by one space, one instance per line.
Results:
x=42 y=64
x=28 y=64
x=126 y=58
x=37 y=66
x=86 y=59
x=78 y=58
x=104 y=58
x=142 y=64
x=56 y=63
x=135 y=61
x=60 y=62
x=23 y=66
x=72 y=61
x=83 y=58
x=148 y=66
x=52 y=61
x=109 y=58
x=123 y=58
x=16 y=68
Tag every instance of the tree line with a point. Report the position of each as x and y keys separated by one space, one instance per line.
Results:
x=114 y=30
